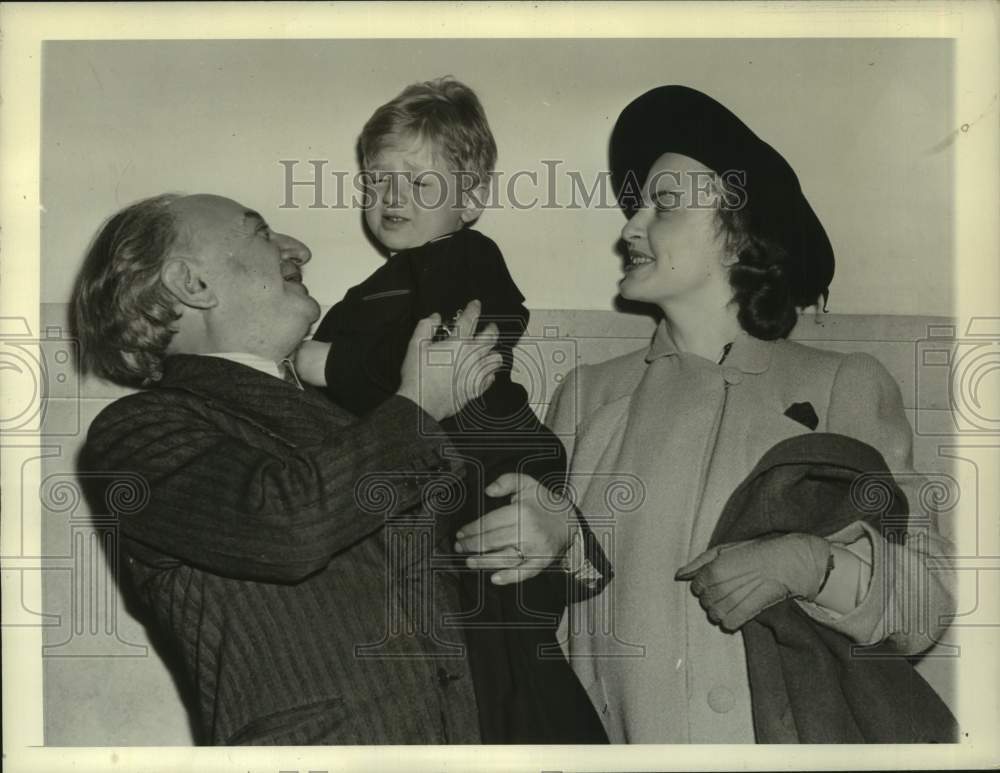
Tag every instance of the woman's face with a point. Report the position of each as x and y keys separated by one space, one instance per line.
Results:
x=676 y=249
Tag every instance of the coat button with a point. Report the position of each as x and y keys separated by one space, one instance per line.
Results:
x=721 y=700
x=732 y=375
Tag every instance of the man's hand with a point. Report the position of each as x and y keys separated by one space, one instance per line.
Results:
x=310 y=362
x=443 y=376
x=522 y=538
x=735 y=582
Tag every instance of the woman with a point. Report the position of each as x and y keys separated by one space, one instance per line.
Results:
x=722 y=240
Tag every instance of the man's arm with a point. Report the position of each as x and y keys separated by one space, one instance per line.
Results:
x=222 y=503
x=224 y=498
x=907 y=578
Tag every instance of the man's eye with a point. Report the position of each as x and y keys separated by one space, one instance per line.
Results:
x=265 y=231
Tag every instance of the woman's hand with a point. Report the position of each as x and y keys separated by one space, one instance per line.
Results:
x=737 y=581
x=522 y=538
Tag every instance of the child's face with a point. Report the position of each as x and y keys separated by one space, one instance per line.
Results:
x=416 y=197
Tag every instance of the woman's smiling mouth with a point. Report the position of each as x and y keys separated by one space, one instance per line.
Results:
x=636 y=259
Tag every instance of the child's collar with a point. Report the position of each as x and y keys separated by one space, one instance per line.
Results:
x=442 y=237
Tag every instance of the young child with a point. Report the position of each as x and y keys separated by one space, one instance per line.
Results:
x=428 y=155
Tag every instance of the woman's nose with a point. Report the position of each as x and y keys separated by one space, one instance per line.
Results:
x=633 y=227
x=294 y=250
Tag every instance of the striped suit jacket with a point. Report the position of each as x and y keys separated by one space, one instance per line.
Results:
x=281 y=552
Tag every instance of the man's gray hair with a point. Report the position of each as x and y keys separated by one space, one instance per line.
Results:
x=122 y=312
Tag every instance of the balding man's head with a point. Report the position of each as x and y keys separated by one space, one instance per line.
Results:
x=191 y=274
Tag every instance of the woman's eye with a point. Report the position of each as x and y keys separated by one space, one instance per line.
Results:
x=666 y=202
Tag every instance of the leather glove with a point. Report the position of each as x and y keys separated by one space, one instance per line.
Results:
x=735 y=582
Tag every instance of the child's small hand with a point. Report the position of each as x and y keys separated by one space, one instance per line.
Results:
x=310 y=362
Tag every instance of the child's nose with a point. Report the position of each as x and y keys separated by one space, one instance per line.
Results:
x=394 y=195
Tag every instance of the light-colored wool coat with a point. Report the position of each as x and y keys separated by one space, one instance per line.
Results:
x=658 y=440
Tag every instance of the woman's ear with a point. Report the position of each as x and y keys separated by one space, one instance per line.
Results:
x=185 y=283
x=474 y=202
x=730 y=259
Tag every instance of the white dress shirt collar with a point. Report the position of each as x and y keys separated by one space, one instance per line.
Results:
x=254 y=361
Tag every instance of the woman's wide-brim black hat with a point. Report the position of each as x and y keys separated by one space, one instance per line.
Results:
x=682 y=120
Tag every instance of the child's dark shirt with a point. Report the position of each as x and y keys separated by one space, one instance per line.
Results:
x=524 y=699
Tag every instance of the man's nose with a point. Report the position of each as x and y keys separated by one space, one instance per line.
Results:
x=292 y=249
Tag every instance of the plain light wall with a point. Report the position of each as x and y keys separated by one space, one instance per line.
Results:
x=863 y=122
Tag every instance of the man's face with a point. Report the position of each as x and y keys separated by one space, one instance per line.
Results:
x=255 y=274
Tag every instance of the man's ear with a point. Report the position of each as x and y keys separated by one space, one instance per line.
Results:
x=185 y=283
x=474 y=202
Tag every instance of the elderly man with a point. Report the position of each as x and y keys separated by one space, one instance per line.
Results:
x=262 y=551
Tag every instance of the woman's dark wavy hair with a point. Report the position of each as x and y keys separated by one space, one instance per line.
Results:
x=762 y=288
x=122 y=313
